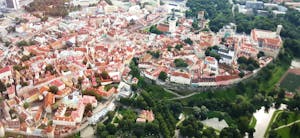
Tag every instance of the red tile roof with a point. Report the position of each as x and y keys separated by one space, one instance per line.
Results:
x=49 y=99
x=163 y=27
x=57 y=83
x=181 y=74
x=5 y=69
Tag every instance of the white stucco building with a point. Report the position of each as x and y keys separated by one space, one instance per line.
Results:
x=181 y=78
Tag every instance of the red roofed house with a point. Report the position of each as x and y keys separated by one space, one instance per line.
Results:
x=163 y=27
x=78 y=114
x=64 y=121
x=145 y=115
x=89 y=99
x=59 y=84
x=102 y=92
x=49 y=101
x=267 y=41
x=180 y=77
x=5 y=72
x=212 y=65
x=12 y=124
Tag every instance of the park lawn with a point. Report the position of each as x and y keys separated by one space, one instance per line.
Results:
x=161 y=95
x=277 y=73
x=226 y=94
x=252 y=122
x=158 y=92
x=187 y=110
x=271 y=121
x=286 y=132
x=292 y=116
x=291 y=82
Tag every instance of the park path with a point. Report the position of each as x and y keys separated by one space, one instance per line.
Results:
x=287 y=125
x=180 y=121
x=88 y=132
x=183 y=97
x=176 y=134
x=174 y=93
x=263 y=119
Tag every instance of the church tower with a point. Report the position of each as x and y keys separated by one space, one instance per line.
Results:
x=172 y=22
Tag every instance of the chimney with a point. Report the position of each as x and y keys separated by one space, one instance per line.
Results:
x=278 y=30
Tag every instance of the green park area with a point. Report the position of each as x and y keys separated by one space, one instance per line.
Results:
x=284 y=124
x=290 y=131
x=252 y=122
x=291 y=82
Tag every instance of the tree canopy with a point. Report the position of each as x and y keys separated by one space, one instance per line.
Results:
x=180 y=63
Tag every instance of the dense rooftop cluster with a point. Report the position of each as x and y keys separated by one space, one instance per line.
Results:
x=58 y=74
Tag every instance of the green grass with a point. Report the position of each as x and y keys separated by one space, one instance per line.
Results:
x=291 y=82
x=292 y=116
x=252 y=122
x=286 y=132
x=188 y=110
x=271 y=121
x=227 y=94
x=277 y=73
x=161 y=95
x=157 y=92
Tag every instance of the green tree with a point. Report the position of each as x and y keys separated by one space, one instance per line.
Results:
x=134 y=87
x=2 y=87
x=50 y=68
x=195 y=25
x=241 y=74
x=134 y=70
x=178 y=46
x=180 y=63
x=88 y=108
x=188 y=41
x=242 y=60
x=111 y=128
x=53 y=89
x=26 y=105
x=104 y=74
x=273 y=134
x=250 y=132
x=260 y=54
x=209 y=133
x=163 y=76
x=154 y=30
x=25 y=58
x=169 y=48
x=152 y=128
x=230 y=132
x=22 y=43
